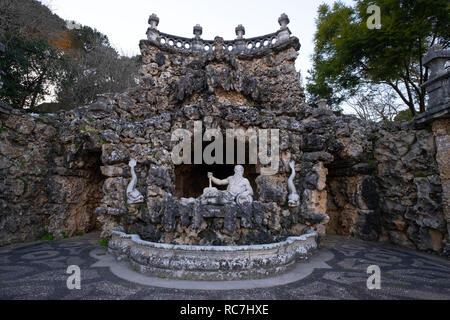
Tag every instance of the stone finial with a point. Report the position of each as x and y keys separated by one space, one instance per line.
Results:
x=152 y=32
x=218 y=45
x=197 y=43
x=240 y=31
x=198 y=30
x=322 y=103
x=153 y=21
x=284 y=33
x=283 y=20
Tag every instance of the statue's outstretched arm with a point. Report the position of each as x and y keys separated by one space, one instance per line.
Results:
x=219 y=181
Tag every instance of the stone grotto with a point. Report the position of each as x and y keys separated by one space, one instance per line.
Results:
x=110 y=166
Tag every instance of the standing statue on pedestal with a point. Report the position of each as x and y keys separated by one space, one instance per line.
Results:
x=239 y=189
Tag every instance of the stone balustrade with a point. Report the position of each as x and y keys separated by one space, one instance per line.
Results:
x=240 y=45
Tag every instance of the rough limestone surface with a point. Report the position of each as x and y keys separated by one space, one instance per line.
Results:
x=68 y=172
x=441 y=131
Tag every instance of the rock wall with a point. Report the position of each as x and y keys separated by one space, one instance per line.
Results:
x=441 y=132
x=221 y=90
x=410 y=188
x=395 y=195
x=50 y=183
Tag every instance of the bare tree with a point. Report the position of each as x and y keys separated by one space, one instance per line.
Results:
x=379 y=103
x=46 y=58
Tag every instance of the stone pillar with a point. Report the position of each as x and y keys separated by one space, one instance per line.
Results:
x=438 y=115
x=441 y=131
x=314 y=198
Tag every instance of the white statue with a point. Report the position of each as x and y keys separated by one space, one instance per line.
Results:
x=293 y=198
x=133 y=195
x=239 y=189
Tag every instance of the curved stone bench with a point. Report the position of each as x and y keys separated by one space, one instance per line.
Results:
x=210 y=262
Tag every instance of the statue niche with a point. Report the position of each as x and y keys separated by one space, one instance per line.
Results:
x=191 y=179
x=239 y=189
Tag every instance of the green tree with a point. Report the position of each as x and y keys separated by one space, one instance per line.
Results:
x=95 y=67
x=46 y=58
x=32 y=68
x=349 y=56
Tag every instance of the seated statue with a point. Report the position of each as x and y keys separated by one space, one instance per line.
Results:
x=239 y=189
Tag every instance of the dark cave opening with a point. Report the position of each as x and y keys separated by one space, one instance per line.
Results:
x=91 y=161
x=191 y=179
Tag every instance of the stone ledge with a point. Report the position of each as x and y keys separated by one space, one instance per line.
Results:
x=210 y=262
x=439 y=112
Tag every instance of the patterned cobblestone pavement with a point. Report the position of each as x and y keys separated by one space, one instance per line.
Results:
x=38 y=271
